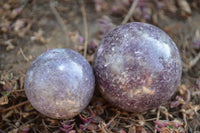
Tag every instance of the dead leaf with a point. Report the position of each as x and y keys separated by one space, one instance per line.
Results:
x=19 y=24
x=3 y=100
x=38 y=36
x=15 y=13
x=183 y=4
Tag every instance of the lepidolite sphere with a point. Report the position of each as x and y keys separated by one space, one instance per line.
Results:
x=137 y=67
x=60 y=83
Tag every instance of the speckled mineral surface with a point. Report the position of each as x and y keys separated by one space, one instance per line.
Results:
x=60 y=83
x=137 y=67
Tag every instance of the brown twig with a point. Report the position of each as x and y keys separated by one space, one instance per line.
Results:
x=21 y=51
x=21 y=90
x=157 y=118
x=30 y=121
x=118 y=113
x=60 y=21
x=194 y=61
x=13 y=107
x=130 y=12
x=103 y=127
x=184 y=119
x=141 y=119
x=85 y=27
x=46 y=127
x=134 y=120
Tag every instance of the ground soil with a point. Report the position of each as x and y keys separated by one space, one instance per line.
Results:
x=30 y=27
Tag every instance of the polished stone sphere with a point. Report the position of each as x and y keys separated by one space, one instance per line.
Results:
x=60 y=83
x=137 y=67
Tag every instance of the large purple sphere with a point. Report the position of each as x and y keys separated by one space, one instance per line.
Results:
x=137 y=67
x=60 y=83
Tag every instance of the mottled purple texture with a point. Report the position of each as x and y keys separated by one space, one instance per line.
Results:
x=60 y=83
x=137 y=67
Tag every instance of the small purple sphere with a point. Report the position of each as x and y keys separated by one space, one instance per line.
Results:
x=60 y=83
x=137 y=67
